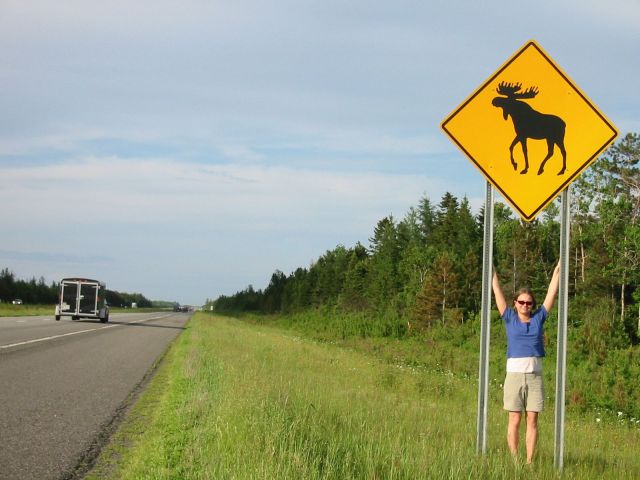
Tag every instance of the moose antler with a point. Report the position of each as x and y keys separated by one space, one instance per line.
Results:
x=510 y=90
x=528 y=93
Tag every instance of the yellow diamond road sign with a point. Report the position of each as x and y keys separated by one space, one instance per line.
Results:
x=529 y=130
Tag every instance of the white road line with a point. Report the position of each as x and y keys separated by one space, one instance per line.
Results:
x=45 y=339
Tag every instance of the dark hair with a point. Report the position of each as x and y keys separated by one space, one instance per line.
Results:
x=528 y=292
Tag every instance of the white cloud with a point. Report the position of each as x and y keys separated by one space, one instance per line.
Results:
x=247 y=195
x=617 y=14
x=241 y=153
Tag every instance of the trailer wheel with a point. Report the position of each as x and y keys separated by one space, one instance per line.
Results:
x=57 y=318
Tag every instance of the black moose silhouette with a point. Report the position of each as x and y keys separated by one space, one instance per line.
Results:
x=530 y=124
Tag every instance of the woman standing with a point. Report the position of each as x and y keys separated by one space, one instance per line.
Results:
x=523 y=386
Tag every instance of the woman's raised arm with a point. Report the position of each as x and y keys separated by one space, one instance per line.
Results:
x=501 y=302
x=553 y=289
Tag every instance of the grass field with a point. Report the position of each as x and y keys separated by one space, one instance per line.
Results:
x=238 y=401
x=10 y=310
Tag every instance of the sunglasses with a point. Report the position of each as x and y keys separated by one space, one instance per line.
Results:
x=523 y=302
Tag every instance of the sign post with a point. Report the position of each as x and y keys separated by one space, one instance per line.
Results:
x=530 y=131
x=485 y=321
x=563 y=306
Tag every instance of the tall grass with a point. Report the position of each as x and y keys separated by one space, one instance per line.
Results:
x=239 y=401
x=10 y=310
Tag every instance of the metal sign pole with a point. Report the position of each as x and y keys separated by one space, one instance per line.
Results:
x=485 y=321
x=563 y=304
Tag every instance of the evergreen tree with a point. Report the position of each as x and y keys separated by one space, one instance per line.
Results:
x=469 y=247
x=471 y=283
x=383 y=284
x=273 y=294
x=414 y=259
x=329 y=273
x=439 y=293
x=619 y=210
x=353 y=294
x=426 y=219
x=586 y=236
x=297 y=291
x=7 y=285
x=445 y=232
x=469 y=231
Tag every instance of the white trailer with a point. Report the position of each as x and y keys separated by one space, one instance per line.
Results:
x=82 y=298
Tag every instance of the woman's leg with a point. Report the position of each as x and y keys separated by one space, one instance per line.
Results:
x=513 y=431
x=532 y=434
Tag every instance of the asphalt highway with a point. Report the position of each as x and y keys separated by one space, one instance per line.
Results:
x=64 y=386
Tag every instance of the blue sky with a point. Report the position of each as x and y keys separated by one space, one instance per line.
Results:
x=187 y=149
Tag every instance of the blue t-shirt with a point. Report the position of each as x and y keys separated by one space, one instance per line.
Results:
x=525 y=339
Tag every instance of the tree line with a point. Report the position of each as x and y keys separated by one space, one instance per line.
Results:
x=37 y=292
x=426 y=267
x=29 y=291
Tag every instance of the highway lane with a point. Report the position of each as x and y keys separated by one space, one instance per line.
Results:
x=63 y=384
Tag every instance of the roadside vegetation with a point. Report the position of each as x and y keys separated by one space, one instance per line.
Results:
x=235 y=399
x=419 y=280
x=10 y=310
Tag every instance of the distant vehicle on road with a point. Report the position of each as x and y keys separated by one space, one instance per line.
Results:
x=82 y=298
x=181 y=308
x=17 y=301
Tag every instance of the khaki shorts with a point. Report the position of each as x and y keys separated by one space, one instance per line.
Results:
x=523 y=392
